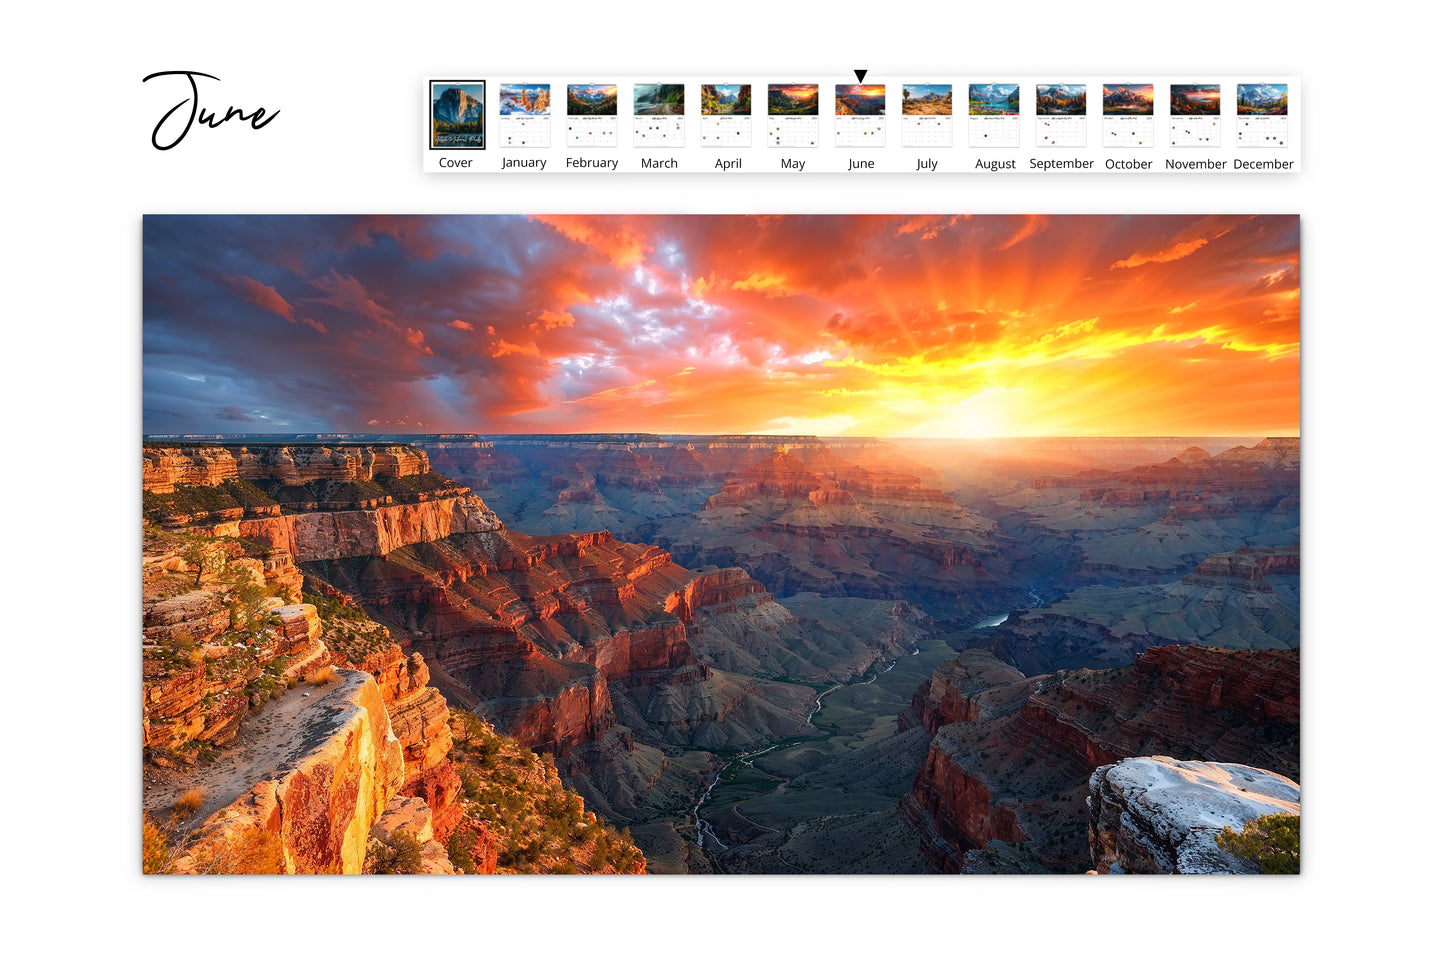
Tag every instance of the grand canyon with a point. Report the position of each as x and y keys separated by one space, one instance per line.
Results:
x=971 y=547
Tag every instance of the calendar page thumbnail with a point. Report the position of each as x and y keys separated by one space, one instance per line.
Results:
x=1060 y=110
x=993 y=115
x=1128 y=115
x=1194 y=115
x=1263 y=115
x=927 y=115
x=727 y=115
x=858 y=115
x=525 y=115
x=792 y=115
x=657 y=113
x=592 y=115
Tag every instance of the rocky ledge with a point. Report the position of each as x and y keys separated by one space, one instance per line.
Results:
x=319 y=779
x=1159 y=815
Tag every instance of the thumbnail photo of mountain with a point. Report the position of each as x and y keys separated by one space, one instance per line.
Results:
x=1262 y=99
x=864 y=99
x=458 y=115
x=1060 y=100
x=533 y=100
x=792 y=99
x=986 y=99
x=657 y=98
x=722 y=99
x=1194 y=99
x=1128 y=99
x=908 y=544
x=591 y=99
x=928 y=99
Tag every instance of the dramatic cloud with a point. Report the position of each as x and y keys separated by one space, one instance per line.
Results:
x=924 y=325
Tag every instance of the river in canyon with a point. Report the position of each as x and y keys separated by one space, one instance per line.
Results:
x=765 y=793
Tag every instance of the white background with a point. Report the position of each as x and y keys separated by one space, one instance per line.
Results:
x=80 y=172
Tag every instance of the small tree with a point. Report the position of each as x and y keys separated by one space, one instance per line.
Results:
x=400 y=855
x=1269 y=842
x=459 y=850
x=205 y=556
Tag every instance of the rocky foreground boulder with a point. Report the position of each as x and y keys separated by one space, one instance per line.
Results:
x=1156 y=814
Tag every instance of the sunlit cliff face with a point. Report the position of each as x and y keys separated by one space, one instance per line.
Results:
x=914 y=325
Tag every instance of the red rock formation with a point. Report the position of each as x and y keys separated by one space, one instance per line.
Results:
x=718 y=588
x=310 y=536
x=780 y=475
x=207 y=658
x=1244 y=569
x=958 y=808
x=162 y=468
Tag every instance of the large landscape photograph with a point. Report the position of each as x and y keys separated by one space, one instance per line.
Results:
x=916 y=544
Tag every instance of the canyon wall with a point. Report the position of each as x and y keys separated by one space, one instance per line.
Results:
x=1011 y=757
x=164 y=467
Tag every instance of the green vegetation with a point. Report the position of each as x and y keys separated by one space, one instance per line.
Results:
x=348 y=630
x=203 y=500
x=1270 y=842
x=459 y=851
x=338 y=494
x=444 y=128
x=540 y=825
x=399 y=855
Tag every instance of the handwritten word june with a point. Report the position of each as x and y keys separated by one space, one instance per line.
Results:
x=177 y=122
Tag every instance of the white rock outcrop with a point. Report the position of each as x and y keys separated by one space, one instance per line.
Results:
x=1160 y=815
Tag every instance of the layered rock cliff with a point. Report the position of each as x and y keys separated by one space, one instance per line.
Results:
x=295 y=737
x=569 y=643
x=164 y=467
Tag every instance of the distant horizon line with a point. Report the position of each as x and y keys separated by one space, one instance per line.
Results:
x=203 y=435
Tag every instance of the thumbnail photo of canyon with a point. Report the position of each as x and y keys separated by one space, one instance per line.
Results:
x=928 y=99
x=985 y=99
x=720 y=544
x=458 y=115
x=590 y=99
x=792 y=99
x=722 y=99
x=1128 y=99
x=1262 y=99
x=1194 y=99
x=863 y=99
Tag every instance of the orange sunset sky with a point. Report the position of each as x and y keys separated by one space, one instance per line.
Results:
x=925 y=326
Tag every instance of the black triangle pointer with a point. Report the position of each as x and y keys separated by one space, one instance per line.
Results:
x=860 y=74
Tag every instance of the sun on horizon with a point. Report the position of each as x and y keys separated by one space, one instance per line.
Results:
x=923 y=326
